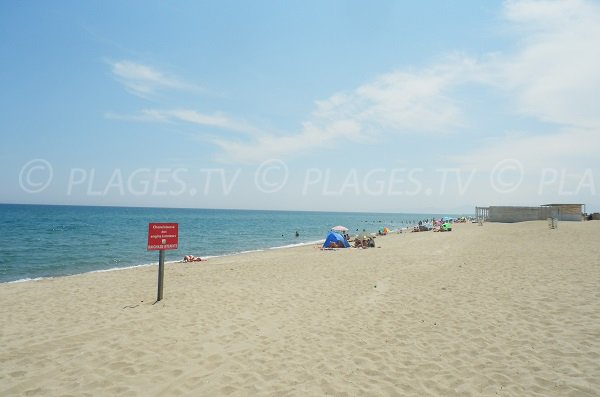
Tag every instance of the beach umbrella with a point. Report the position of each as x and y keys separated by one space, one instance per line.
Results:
x=339 y=228
x=364 y=236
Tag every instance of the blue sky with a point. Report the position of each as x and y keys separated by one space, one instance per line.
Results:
x=309 y=105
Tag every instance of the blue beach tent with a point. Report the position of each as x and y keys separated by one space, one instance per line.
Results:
x=335 y=238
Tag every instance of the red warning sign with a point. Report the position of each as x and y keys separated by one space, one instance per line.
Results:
x=163 y=236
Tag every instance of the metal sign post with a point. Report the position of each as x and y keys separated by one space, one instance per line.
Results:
x=161 y=237
x=161 y=274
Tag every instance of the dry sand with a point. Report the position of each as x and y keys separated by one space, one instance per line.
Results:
x=493 y=310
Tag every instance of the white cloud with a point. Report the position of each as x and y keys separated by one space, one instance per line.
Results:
x=280 y=146
x=403 y=102
x=217 y=120
x=143 y=80
x=397 y=103
x=553 y=77
x=548 y=13
x=555 y=71
x=143 y=116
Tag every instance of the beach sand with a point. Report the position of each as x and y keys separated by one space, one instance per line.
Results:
x=492 y=310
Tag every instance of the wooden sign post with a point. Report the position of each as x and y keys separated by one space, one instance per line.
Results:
x=161 y=237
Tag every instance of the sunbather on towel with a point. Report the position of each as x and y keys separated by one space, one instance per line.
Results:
x=192 y=258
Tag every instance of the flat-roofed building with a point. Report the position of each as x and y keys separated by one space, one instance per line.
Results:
x=511 y=214
x=566 y=212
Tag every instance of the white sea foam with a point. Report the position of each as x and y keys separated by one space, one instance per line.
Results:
x=298 y=244
x=24 y=280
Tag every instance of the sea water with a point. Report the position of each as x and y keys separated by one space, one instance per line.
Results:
x=38 y=241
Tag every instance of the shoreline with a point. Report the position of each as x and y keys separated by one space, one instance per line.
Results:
x=507 y=309
x=69 y=241
x=112 y=269
x=287 y=246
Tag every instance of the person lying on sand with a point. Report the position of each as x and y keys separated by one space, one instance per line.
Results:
x=192 y=258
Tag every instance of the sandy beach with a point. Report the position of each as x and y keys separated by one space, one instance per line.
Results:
x=492 y=310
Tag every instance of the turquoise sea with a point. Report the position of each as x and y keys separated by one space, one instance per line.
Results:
x=48 y=241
